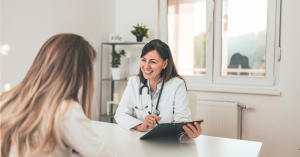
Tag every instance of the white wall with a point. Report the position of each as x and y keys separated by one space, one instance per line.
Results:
x=26 y=25
x=274 y=119
x=131 y=12
x=127 y=14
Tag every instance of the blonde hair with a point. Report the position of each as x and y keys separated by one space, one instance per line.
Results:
x=34 y=107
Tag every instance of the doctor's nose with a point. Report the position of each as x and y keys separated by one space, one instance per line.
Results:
x=147 y=65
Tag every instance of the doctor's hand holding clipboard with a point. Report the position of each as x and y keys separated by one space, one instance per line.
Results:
x=193 y=131
x=157 y=94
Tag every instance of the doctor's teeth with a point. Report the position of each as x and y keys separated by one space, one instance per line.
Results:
x=148 y=71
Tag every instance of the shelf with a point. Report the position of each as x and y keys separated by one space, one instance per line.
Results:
x=113 y=46
x=105 y=115
x=112 y=102
x=114 y=80
x=124 y=43
x=110 y=109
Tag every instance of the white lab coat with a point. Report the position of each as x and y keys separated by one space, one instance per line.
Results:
x=174 y=98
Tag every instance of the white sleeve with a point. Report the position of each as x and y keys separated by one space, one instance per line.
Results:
x=77 y=132
x=125 y=109
x=182 y=111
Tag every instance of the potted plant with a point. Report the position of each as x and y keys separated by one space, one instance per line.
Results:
x=140 y=32
x=116 y=61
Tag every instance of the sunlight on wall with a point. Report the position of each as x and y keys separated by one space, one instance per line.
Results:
x=5 y=49
x=7 y=87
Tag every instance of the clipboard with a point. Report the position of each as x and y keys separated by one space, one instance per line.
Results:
x=167 y=129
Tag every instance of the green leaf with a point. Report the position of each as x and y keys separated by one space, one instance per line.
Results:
x=140 y=29
x=117 y=58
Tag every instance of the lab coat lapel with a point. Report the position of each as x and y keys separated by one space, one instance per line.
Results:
x=149 y=102
x=159 y=85
x=155 y=97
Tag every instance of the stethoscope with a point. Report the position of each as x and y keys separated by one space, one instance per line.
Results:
x=156 y=111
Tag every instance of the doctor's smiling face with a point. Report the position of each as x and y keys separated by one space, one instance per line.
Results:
x=152 y=64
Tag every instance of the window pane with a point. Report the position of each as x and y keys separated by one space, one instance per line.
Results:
x=187 y=35
x=244 y=38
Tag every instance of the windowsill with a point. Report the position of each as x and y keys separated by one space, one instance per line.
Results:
x=234 y=89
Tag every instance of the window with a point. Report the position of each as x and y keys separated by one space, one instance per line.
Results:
x=190 y=38
x=230 y=42
x=244 y=31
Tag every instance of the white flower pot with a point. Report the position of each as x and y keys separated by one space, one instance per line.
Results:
x=116 y=73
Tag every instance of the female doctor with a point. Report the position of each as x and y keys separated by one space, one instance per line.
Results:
x=157 y=94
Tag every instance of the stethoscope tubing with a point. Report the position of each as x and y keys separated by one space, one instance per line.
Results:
x=140 y=96
x=161 y=89
x=141 y=89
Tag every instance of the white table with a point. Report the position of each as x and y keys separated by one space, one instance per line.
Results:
x=128 y=144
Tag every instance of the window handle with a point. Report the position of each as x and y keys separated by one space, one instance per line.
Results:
x=279 y=54
x=279 y=44
x=209 y=27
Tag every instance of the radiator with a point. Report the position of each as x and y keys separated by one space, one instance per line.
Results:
x=221 y=119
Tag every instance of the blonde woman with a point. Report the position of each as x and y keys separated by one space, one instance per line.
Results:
x=42 y=116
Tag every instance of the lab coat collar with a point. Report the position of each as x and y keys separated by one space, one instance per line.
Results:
x=158 y=85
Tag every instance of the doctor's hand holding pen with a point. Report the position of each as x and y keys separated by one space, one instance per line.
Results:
x=149 y=122
x=191 y=131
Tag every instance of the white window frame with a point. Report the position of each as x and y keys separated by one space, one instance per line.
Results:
x=213 y=82
x=208 y=78
x=268 y=80
x=163 y=29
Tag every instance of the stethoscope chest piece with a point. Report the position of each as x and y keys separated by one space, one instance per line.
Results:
x=157 y=112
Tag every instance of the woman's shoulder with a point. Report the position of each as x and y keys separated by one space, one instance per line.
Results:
x=71 y=103
x=135 y=80
x=71 y=108
x=176 y=81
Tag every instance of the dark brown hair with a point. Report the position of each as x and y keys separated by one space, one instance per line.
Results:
x=165 y=53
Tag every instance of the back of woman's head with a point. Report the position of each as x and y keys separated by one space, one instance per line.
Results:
x=62 y=66
x=165 y=53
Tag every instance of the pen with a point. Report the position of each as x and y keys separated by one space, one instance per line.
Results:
x=155 y=119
